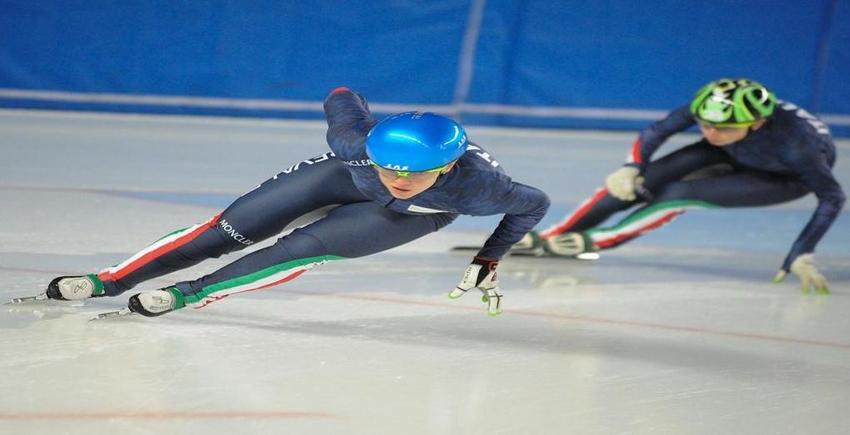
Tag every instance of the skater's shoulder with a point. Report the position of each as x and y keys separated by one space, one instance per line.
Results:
x=792 y=120
x=473 y=169
x=478 y=159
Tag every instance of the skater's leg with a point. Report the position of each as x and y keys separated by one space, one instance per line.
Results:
x=175 y=251
x=180 y=249
x=670 y=168
x=589 y=213
x=571 y=237
x=745 y=188
x=255 y=216
x=348 y=231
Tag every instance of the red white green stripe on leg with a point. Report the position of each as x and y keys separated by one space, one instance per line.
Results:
x=579 y=213
x=643 y=221
x=162 y=246
x=264 y=278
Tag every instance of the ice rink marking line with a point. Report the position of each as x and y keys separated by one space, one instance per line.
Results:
x=321 y=126
x=115 y=191
x=131 y=194
x=534 y=111
x=543 y=314
x=160 y=415
x=589 y=319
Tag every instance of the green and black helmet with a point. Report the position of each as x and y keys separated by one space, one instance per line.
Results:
x=733 y=103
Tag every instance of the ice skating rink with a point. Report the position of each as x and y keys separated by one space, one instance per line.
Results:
x=680 y=332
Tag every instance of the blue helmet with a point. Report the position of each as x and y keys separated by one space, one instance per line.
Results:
x=415 y=141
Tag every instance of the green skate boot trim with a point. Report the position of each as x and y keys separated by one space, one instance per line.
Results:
x=99 y=289
x=179 y=297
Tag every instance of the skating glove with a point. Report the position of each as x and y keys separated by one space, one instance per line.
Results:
x=810 y=279
x=623 y=182
x=481 y=275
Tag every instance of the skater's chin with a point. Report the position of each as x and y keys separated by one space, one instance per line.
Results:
x=402 y=193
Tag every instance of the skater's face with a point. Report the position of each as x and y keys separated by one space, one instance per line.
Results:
x=404 y=185
x=722 y=136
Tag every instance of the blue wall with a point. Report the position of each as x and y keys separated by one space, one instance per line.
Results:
x=609 y=54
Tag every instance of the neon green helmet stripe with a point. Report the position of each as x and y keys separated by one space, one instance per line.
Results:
x=742 y=114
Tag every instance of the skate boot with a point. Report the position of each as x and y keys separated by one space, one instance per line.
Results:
x=75 y=288
x=156 y=302
x=574 y=244
x=530 y=244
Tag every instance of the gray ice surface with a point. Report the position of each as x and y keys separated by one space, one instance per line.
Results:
x=680 y=332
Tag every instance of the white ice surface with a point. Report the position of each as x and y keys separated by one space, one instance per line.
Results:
x=680 y=332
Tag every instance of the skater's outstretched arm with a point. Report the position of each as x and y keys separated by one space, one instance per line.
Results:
x=816 y=174
x=652 y=137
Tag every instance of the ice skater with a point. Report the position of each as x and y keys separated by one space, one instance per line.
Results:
x=390 y=182
x=755 y=151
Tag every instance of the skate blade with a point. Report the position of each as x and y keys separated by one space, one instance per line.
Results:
x=514 y=252
x=25 y=299
x=527 y=253
x=112 y=314
x=588 y=256
x=465 y=248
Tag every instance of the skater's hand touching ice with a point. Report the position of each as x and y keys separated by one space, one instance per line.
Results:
x=810 y=279
x=481 y=275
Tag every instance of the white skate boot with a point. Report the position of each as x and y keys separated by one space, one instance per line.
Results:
x=573 y=244
x=530 y=244
x=156 y=302
x=75 y=288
